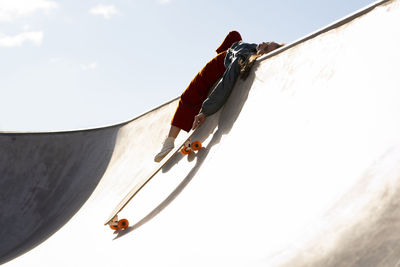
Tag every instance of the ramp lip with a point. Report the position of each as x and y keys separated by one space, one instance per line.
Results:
x=119 y=124
x=331 y=26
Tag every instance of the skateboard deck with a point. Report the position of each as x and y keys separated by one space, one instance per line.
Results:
x=113 y=218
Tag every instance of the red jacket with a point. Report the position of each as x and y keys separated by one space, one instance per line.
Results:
x=198 y=89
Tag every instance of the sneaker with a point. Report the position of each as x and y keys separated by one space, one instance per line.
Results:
x=168 y=145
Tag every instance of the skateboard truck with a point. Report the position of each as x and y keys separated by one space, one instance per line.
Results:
x=116 y=224
x=190 y=146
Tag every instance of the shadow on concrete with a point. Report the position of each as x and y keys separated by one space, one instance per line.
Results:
x=223 y=122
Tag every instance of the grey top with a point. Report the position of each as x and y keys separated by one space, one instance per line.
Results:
x=223 y=89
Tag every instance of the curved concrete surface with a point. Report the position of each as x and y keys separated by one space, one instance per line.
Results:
x=300 y=168
x=45 y=179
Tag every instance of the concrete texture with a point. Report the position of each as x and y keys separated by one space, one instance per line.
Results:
x=300 y=168
x=45 y=179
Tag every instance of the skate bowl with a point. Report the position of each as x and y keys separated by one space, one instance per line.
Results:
x=301 y=167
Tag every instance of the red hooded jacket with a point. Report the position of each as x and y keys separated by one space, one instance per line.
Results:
x=198 y=89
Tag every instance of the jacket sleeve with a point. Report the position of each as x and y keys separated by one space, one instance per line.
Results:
x=222 y=90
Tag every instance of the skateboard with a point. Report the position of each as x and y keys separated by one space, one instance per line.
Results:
x=184 y=148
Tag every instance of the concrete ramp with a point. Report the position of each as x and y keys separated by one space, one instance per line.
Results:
x=300 y=168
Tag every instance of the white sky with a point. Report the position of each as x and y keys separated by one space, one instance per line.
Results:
x=81 y=64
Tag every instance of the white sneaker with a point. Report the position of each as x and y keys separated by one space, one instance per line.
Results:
x=168 y=145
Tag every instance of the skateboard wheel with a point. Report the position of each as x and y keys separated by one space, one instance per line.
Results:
x=196 y=145
x=185 y=150
x=123 y=224
x=114 y=226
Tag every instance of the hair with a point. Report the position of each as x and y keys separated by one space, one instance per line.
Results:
x=246 y=65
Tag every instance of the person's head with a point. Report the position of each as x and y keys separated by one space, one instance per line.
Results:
x=262 y=49
x=266 y=47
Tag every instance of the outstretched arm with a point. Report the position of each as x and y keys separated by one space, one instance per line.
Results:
x=221 y=92
x=219 y=95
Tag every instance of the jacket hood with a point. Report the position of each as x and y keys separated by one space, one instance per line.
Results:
x=230 y=39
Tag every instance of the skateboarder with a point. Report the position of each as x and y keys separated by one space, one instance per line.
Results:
x=195 y=103
x=238 y=61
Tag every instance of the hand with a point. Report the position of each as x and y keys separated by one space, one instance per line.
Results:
x=198 y=120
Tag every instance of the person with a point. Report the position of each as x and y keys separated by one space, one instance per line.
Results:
x=197 y=103
x=238 y=61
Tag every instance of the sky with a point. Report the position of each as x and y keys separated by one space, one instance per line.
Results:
x=67 y=65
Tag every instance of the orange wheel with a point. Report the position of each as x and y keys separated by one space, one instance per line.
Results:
x=196 y=145
x=123 y=224
x=114 y=226
x=185 y=150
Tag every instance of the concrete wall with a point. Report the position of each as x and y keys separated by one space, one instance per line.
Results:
x=300 y=167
